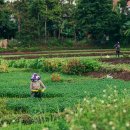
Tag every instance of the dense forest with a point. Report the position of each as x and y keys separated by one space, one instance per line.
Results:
x=44 y=21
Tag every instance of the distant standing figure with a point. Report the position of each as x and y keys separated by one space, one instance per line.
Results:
x=36 y=86
x=117 y=47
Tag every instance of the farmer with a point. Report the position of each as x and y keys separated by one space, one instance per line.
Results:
x=117 y=47
x=36 y=86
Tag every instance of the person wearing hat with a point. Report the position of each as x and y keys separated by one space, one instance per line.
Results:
x=36 y=86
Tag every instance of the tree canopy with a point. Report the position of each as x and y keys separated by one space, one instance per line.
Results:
x=29 y=20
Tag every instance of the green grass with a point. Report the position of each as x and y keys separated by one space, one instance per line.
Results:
x=115 y=68
x=15 y=87
x=49 y=125
x=111 y=112
x=15 y=97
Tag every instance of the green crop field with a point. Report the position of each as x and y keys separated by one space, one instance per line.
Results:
x=15 y=94
x=80 y=49
x=73 y=101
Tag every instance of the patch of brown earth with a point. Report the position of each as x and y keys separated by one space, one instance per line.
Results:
x=54 y=51
x=49 y=56
x=117 y=60
x=116 y=75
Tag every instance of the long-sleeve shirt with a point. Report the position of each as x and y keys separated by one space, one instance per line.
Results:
x=117 y=47
x=36 y=85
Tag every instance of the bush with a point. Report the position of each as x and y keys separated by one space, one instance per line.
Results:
x=35 y=64
x=19 y=63
x=91 y=65
x=23 y=63
x=14 y=43
x=75 y=66
x=3 y=66
x=72 y=66
x=53 y=42
x=68 y=42
x=55 y=77
x=52 y=65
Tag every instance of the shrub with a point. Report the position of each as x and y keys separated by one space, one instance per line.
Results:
x=18 y=63
x=4 y=68
x=72 y=66
x=14 y=43
x=53 y=42
x=35 y=64
x=23 y=63
x=52 y=65
x=68 y=42
x=55 y=77
x=91 y=65
x=75 y=66
x=40 y=62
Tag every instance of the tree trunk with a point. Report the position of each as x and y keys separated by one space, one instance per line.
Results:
x=19 y=24
x=46 y=27
x=75 y=36
x=59 y=36
x=45 y=32
x=38 y=27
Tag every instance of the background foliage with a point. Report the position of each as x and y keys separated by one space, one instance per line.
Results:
x=36 y=22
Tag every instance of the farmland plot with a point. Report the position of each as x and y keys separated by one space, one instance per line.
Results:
x=18 y=107
x=58 y=96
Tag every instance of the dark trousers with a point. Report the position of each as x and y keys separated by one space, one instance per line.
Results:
x=36 y=94
x=117 y=53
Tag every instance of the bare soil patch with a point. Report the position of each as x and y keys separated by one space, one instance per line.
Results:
x=53 y=55
x=117 y=60
x=123 y=75
x=92 y=52
x=54 y=51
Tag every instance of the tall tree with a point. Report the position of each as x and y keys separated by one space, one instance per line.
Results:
x=7 y=22
x=97 y=19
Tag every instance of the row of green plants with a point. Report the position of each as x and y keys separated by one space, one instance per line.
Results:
x=66 y=54
x=3 y=66
x=68 y=66
x=58 y=95
x=63 y=65
x=109 y=112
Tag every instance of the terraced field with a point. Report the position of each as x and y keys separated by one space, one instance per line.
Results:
x=61 y=104
x=62 y=53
